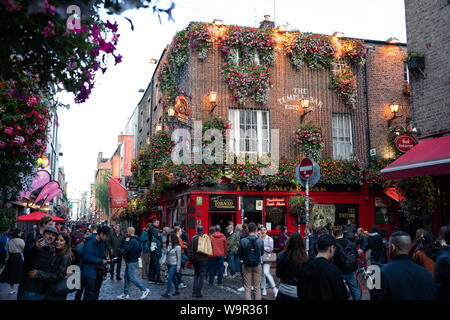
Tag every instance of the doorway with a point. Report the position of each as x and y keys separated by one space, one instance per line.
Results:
x=221 y=218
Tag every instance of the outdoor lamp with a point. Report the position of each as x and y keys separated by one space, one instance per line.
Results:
x=282 y=28
x=392 y=40
x=153 y=61
x=217 y=22
x=213 y=99
x=305 y=105
x=158 y=127
x=394 y=110
x=338 y=35
x=171 y=111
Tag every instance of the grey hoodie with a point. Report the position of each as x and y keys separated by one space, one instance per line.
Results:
x=173 y=256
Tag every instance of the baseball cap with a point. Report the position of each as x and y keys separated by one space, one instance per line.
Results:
x=51 y=229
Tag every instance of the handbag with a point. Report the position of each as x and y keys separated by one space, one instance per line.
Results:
x=269 y=257
x=60 y=288
x=184 y=258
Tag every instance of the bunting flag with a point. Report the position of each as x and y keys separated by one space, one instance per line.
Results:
x=118 y=195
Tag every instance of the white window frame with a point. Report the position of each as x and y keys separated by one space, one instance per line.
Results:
x=342 y=149
x=405 y=72
x=234 y=117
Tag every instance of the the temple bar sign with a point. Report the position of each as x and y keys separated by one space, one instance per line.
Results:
x=223 y=203
x=292 y=101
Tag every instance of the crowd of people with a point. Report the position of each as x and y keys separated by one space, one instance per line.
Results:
x=411 y=269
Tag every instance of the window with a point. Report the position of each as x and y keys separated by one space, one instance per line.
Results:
x=256 y=58
x=235 y=55
x=342 y=136
x=250 y=131
x=405 y=72
x=338 y=66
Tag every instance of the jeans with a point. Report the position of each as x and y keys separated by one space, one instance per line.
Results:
x=145 y=264
x=79 y=292
x=29 y=295
x=172 y=278
x=179 y=275
x=92 y=288
x=116 y=265
x=350 y=279
x=130 y=270
x=199 y=275
x=233 y=260
x=216 y=266
x=155 y=271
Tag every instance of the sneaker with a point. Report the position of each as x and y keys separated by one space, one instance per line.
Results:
x=176 y=293
x=253 y=288
x=165 y=295
x=275 y=292
x=145 y=294
x=13 y=292
x=123 y=296
x=264 y=292
x=241 y=289
x=182 y=286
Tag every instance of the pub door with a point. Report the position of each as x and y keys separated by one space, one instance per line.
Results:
x=221 y=218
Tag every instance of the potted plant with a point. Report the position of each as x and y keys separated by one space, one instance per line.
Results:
x=416 y=61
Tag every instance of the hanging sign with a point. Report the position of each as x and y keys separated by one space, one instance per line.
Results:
x=223 y=203
x=404 y=143
x=182 y=108
x=275 y=202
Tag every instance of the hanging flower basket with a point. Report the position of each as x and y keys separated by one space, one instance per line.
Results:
x=309 y=140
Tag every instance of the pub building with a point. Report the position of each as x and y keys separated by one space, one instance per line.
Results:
x=297 y=94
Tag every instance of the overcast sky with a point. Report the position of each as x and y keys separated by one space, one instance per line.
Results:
x=91 y=127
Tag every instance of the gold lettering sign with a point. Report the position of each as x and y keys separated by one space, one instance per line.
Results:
x=275 y=202
x=222 y=203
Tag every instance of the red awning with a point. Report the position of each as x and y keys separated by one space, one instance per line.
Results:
x=429 y=157
x=393 y=194
x=36 y=216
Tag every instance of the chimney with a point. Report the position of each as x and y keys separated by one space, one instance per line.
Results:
x=267 y=24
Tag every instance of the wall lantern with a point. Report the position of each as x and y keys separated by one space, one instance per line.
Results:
x=158 y=127
x=394 y=110
x=282 y=28
x=392 y=40
x=213 y=99
x=305 y=105
x=153 y=61
x=171 y=111
x=217 y=22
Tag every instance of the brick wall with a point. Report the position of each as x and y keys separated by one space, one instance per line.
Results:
x=427 y=28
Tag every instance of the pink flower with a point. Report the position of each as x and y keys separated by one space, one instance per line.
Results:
x=11 y=6
x=9 y=131
x=49 y=30
x=32 y=101
x=19 y=140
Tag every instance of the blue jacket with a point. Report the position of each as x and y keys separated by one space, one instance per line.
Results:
x=132 y=250
x=403 y=279
x=145 y=241
x=442 y=274
x=92 y=257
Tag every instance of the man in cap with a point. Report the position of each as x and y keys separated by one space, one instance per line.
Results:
x=37 y=233
x=39 y=257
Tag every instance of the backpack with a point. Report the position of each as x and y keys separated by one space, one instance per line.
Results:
x=204 y=245
x=348 y=257
x=252 y=256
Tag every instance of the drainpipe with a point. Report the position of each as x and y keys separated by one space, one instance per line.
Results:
x=367 y=111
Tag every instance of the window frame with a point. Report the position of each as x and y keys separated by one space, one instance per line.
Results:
x=334 y=139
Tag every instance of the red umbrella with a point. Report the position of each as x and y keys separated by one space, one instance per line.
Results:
x=36 y=217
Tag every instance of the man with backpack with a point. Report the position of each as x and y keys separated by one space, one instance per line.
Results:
x=132 y=250
x=199 y=260
x=346 y=259
x=250 y=252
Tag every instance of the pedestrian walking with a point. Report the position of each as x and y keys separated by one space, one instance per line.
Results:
x=232 y=248
x=3 y=249
x=282 y=239
x=131 y=251
x=13 y=271
x=199 y=260
x=184 y=257
x=346 y=259
x=350 y=231
x=219 y=246
x=250 y=251
x=145 y=240
x=58 y=270
x=402 y=279
x=92 y=263
x=374 y=243
x=114 y=244
x=289 y=263
x=442 y=268
x=319 y=278
x=39 y=257
x=422 y=249
x=155 y=253
x=268 y=257
x=172 y=259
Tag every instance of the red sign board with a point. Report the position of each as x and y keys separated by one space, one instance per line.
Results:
x=275 y=202
x=117 y=194
x=404 y=143
x=128 y=155
x=306 y=168
x=116 y=167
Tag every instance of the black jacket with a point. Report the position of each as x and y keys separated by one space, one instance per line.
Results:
x=132 y=250
x=402 y=279
x=342 y=243
x=375 y=243
x=192 y=251
x=38 y=259
x=57 y=272
x=349 y=232
x=115 y=242
x=321 y=280
x=442 y=274
x=285 y=270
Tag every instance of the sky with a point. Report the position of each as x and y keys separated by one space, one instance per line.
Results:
x=92 y=127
